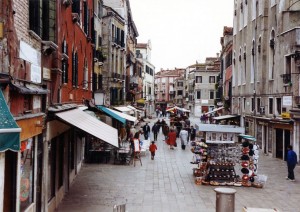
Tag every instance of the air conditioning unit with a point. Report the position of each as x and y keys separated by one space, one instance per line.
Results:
x=262 y=110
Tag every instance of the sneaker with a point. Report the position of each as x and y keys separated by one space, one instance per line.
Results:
x=287 y=178
x=292 y=180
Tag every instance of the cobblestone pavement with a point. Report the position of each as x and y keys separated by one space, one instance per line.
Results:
x=167 y=184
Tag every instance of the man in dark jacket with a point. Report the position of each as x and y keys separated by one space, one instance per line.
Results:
x=291 y=163
x=155 y=130
x=146 y=131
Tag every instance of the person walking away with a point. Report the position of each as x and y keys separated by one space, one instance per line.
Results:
x=165 y=130
x=158 y=124
x=152 y=149
x=291 y=163
x=193 y=133
x=178 y=128
x=155 y=130
x=146 y=131
x=183 y=135
x=172 y=139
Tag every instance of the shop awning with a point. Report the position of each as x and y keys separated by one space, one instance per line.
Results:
x=225 y=117
x=135 y=109
x=123 y=109
x=178 y=108
x=29 y=89
x=247 y=137
x=9 y=130
x=214 y=110
x=112 y=114
x=122 y=115
x=90 y=125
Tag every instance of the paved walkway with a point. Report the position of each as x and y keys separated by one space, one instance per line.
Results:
x=166 y=184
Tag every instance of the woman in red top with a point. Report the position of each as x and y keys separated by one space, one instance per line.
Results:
x=172 y=138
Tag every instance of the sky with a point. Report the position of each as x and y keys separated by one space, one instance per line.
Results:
x=181 y=32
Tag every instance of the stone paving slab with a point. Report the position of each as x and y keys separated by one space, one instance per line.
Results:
x=167 y=184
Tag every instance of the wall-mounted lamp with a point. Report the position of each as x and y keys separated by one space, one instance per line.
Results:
x=38 y=123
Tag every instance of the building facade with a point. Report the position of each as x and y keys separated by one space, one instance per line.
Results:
x=203 y=77
x=143 y=54
x=164 y=87
x=264 y=72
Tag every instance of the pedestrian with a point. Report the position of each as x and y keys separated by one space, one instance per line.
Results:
x=291 y=163
x=193 y=133
x=152 y=149
x=157 y=112
x=155 y=130
x=158 y=124
x=165 y=130
x=146 y=131
x=172 y=139
x=183 y=137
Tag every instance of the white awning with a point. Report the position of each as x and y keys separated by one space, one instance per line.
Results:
x=135 y=109
x=91 y=125
x=225 y=117
x=123 y=115
x=214 y=110
x=123 y=109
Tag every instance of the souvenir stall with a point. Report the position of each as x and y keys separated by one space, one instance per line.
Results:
x=216 y=153
x=225 y=156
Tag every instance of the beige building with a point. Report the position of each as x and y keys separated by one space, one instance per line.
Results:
x=205 y=78
x=265 y=74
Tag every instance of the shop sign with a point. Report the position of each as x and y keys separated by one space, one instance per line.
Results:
x=287 y=101
x=286 y=115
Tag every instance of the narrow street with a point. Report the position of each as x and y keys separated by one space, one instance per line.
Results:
x=167 y=184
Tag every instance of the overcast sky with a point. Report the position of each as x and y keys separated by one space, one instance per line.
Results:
x=181 y=32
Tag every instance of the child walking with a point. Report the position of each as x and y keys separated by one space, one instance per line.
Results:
x=152 y=149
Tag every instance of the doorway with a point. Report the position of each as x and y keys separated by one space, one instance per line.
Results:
x=10 y=181
x=279 y=143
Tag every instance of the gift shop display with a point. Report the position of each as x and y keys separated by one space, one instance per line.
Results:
x=223 y=158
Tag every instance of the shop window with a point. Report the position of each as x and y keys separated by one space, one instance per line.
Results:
x=27 y=174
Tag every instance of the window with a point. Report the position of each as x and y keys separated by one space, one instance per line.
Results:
x=179 y=84
x=74 y=69
x=278 y=106
x=85 y=75
x=252 y=104
x=212 y=79
x=76 y=6
x=198 y=95
x=86 y=17
x=198 y=79
x=64 y=71
x=211 y=94
x=42 y=18
x=258 y=104
x=179 y=92
x=270 y=105
x=244 y=104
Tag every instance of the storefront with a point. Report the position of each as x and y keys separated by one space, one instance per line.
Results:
x=9 y=153
x=68 y=134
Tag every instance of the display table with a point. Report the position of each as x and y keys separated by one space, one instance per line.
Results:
x=123 y=156
x=100 y=156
